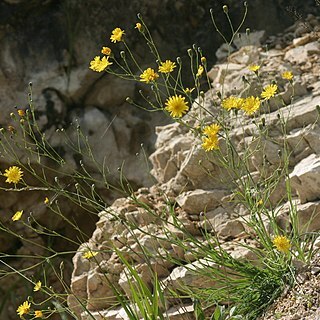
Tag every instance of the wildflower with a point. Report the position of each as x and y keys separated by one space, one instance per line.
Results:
x=211 y=130
x=210 y=143
x=14 y=174
x=232 y=102
x=98 y=64
x=203 y=60
x=188 y=90
x=254 y=67
x=11 y=129
x=21 y=112
x=38 y=314
x=89 y=254
x=117 y=35
x=17 y=216
x=138 y=26
x=37 y=286
x=282 y=243
x=251 y=105
x=148 y=75
x=260 y=202
x=106 y=51
x=269 y=91
x=24 y=308
x=46 y=200
x=287 y=75
x=200 y=71
x=167 y=67
x=176 y=106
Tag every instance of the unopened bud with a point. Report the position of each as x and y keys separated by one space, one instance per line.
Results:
x=225 y=8
x=247 y=31
x=190 y=52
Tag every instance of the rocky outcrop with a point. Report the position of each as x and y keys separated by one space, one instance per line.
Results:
x=201 y=187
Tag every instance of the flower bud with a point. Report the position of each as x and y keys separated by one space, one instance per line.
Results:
x=225 y=8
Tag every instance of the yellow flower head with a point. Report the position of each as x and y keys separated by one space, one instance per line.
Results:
x=21 y=113
x=24 y=308
x=211 y=130
x=176 y=106
x=282 y=243
x=232 y=103
x=17 y=216
x=210 y=143
x=254 y=68
x=287 y=75
x=38 y=314
x=203 y=60
x=269 y=91
x=46 y=200
x=14 y=174
x=117 y=35
x=251 y=105
x=89 y=254
x=188 y=90
x=98 y=64
x=37 y=286
x=167 y=67
x=148 y=75
x=106 y=51
x=200 y=71
x=138 y=26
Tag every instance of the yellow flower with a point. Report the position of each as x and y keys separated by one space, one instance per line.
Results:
x=200 y=71
x=148 y=75
x=210 y=143
x=37 y=286
x=254 y=68
x=21 y=112
x=46 y=200
x=251 y=105
x=14 y=174
x=98 y=64
x=203 y=60
x=167 y=67
x=176 y=106
x=282 y=243
x=24 y=308
x=211 y=130
x=269 y=91
x=188 y=90
x=260 y=202
x=117 y=35
x=38 y=314
x=89 y=254
x=287 y=75
x=232 y=102
x=17 y=216
x=138 y=26
x=106 y=51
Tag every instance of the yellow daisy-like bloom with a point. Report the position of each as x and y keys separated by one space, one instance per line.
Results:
x=251 y=105
x=188 y=90
x=287 y=75
x=99 y=65
x=176 y=106
x=282 y=243
x=211 y=130
x=23 y=309
x=138 y=26
x=17 y=216
x=200 y=71
x=269 y=91
x=210 y=143
x=254 y=68
x=117 y=35
x=232 y=103
x=37 y=286
x=38 y=314
x=106 y=51
x=167 y=67
x=148 y=75
x=46 y=200
x=89 y=254
x=14 y=174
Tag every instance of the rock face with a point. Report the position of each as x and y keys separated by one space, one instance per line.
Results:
x=201 y=188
